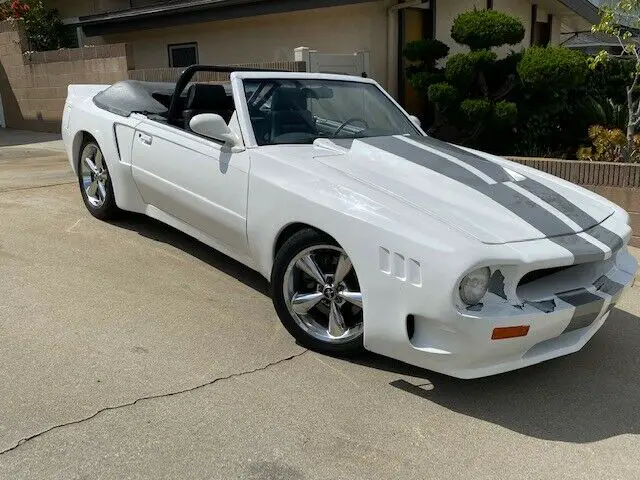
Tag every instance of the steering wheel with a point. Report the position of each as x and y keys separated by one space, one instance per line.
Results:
x=348 y=122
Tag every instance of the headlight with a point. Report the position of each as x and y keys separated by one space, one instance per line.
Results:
x=474 y=286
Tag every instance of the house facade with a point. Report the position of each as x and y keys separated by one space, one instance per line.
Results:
x=177 y=33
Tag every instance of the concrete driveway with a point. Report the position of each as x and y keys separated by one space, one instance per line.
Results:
x=132 y=351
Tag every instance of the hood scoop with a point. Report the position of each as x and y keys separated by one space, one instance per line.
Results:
x=337 y=145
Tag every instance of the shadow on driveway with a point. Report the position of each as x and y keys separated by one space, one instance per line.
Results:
x=589 y=396
x=585 y=397
x=158 y=231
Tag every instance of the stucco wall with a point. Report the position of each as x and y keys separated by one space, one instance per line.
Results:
x=272 y=37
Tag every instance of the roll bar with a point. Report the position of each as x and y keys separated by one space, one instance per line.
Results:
x=187 y=75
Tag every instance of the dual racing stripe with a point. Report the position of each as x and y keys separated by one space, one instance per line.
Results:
x=587 y=308
x=589 y=305
x=582 y=218
x=608 y=287
x=462 y=166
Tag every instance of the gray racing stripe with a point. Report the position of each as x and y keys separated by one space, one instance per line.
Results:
x=608 y=286
x=489 y=168
x=426 y=159
x=538 y=217
x=606 y=236
x=543 y=192
x=558 y=202
x=530 y=212
x=582 y=250
x=575 y=213
x=587 y=308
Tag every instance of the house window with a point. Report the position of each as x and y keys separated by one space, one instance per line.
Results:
x=183 y=54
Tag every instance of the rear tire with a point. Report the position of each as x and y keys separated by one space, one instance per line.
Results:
x=95 y=182
x=316 y=293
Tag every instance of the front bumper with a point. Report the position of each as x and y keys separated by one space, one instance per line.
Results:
x=461 y=344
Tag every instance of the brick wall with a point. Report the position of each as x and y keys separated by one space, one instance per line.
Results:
x=619 y=182
x=34 y=85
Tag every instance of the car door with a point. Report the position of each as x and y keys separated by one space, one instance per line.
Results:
x=194 y=180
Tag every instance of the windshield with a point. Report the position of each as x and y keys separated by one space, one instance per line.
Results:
x=301 y=111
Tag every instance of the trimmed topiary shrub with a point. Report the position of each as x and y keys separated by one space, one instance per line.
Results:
x=536 y=102
x=425 y=55
x=553 y=102
x=443 y=93
x=425 y=71
x=476 y=109
x=552 y=68
x=463 y=68
x=485 y=29
x=471 y=105
x=427 y=52
x=505 y=113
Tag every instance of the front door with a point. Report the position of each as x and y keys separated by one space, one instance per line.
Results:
x=194 y=180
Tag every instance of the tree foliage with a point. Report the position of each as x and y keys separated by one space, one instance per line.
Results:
x=43 y=25
x=621 y=19
x=539 y=101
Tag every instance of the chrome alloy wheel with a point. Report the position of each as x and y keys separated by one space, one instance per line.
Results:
x=94 y=175
x=323 y=295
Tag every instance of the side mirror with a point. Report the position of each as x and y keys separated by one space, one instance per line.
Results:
x=213 y=126
x=416 y=121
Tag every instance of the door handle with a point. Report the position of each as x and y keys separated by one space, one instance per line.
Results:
x=144 y=138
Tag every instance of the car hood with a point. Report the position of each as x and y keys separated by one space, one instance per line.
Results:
x=493 y=200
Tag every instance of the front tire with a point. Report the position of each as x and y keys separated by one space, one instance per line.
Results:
x=316 y=293
x=95 y=182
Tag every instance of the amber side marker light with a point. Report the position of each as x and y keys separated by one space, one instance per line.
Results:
x=510 y=332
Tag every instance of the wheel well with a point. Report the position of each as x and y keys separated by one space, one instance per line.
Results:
x=289 y=231
x=79 y=140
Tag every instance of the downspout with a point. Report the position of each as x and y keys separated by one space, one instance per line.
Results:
x=392 y=43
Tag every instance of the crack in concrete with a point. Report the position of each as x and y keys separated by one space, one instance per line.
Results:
x=34 y=187
x=150 y=397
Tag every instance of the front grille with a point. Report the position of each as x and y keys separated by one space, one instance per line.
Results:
x=545 y=283
x=539 y=274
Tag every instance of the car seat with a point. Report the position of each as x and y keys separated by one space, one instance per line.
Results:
x=206 y=98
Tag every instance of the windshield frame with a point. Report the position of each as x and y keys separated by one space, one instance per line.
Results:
x=238 y=78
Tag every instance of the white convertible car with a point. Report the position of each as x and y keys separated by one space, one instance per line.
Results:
x=372 y=234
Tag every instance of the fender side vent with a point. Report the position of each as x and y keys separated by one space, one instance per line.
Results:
x=400 y=267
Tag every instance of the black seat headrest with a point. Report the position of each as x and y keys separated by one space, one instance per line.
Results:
x=202 y=96
x=289 y=98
